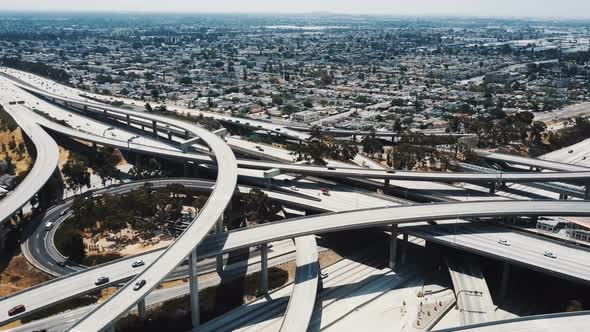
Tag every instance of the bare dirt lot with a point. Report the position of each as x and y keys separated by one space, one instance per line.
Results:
x=21 y=161
x=18 y=275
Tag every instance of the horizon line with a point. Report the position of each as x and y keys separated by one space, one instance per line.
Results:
x=294 y=13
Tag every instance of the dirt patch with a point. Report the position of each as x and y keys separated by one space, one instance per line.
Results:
x=124 y=243
x=11 y=325
x=63 y=157
x=327 y=258
x=105 y=293
x=18 y=275
x=21 y=162
x=173 y=283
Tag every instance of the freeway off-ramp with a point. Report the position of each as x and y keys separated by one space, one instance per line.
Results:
x=111 y=309
x=101 y=319
x=365 y=218
x=45 y=165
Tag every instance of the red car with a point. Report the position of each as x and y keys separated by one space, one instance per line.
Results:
x=16 y=310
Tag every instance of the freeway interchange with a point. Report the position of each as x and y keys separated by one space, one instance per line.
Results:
x=194 y=242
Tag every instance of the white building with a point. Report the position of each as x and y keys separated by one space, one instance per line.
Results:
x=305 y=116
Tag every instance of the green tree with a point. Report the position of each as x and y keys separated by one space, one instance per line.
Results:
x=73 y=247
x=186 y=81
x=260 y=208
x=76 y=173
x=371 y=144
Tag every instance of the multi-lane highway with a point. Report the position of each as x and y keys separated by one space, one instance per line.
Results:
x=571 y=262
x=164 y=262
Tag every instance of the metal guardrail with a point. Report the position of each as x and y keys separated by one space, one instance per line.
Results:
x=550 y=186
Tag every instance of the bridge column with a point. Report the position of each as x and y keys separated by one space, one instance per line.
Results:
x=128 y=120
x=492 y=188
x=320 y=279
x=155 y=128
x=586 y=192
x=186 y=169
x=386 y=183
x=354 y=138
x=219 y=258
x=186 y=134
x=393 y=246
x=169 y=135
x=562 y=196
x=505 y=280
x=141 y=309
x=106 y=113
x=264 y=268
x=194 y=288
x=404 y=248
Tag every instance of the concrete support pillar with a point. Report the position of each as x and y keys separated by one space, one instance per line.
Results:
x=194 y=288
x=219 y=258
x=128 y=121
x=404 y=248
x=492 y=188
x=320 y=279
x=141 y=309
x=393 y=246
x=85 y=108
x=354 y=138
x=505 y=280
x=386 y=183
x=137 y=160
x=94 y=147
x=169 y=135
x=586 y=192
x=264 y=268
x=186 y=169
x=186 y=134
x=106 y=113
x=563 y=197
x=155 y=128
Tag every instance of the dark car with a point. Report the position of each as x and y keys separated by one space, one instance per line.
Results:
x=390 y=171
x=138 y=263
x=61 y=263
x=331 y=168
x=101 y=281
x=16 y=310
x=139 y=284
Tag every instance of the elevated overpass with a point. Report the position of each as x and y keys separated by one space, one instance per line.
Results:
x=47 y=154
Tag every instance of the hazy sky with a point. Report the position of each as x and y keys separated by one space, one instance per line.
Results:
x=513 y=8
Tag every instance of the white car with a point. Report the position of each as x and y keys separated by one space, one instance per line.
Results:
x=549 y=254
x=504 y=242
x=294 y=188
x=48 y=225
